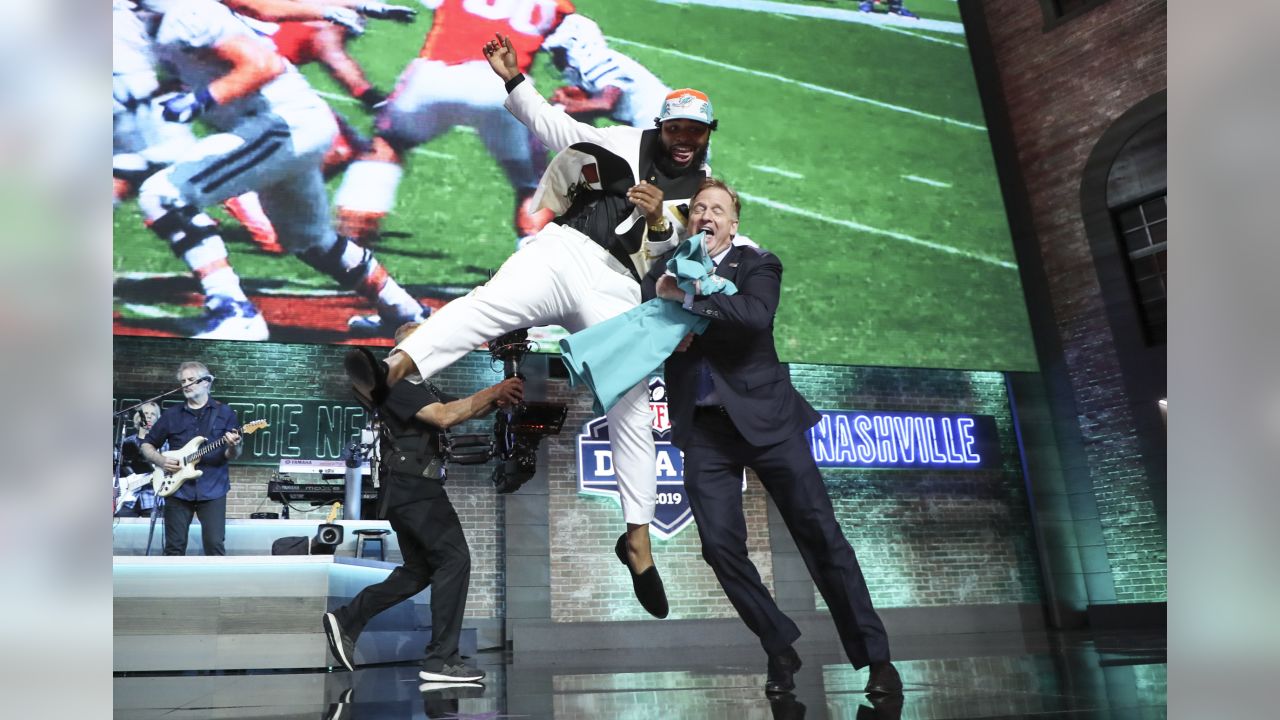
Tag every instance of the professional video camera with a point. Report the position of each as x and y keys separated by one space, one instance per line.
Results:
x=518 y=430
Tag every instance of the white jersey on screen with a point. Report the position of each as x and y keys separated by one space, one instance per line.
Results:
x=201 y=25
x=593 y=66
x=272 y=141
x=137 y=127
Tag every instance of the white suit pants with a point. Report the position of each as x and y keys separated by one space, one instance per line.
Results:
x=560 y=278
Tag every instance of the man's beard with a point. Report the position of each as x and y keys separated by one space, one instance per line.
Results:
x=671 y=169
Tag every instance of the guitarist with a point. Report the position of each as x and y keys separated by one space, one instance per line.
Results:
x=133 y=463
x=206 y=496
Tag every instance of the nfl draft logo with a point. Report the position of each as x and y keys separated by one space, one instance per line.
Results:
x=596 y=474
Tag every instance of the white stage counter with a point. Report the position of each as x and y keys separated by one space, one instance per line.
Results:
x=253 y=612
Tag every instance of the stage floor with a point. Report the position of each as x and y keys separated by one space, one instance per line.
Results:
x=1119 y=676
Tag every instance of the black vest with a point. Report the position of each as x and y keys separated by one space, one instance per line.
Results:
x=595 y=213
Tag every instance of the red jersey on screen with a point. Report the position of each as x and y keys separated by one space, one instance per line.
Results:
x=295 y=41
x=460 y=28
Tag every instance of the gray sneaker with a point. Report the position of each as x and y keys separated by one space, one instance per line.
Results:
x=452 y=674
x=340 y=644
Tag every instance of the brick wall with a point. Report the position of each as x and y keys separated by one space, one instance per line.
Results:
x=1063 y=89
x=146 y=366
x=587 y=581
x=922 y=537
x=928 y=537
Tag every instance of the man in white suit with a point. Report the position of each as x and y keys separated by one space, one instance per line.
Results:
x=581 y=269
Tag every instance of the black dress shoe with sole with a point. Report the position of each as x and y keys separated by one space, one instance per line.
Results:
x=884 y=680
x=368 y=375
x=782 y=670
x=785 y=706
x=647 y=585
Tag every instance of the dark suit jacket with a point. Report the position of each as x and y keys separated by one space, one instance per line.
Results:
x=754 y=387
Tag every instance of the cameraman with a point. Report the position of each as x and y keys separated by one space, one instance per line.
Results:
x=431 y=539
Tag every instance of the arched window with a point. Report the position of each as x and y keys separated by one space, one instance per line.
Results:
x=1137 y=186
x=1124 y=207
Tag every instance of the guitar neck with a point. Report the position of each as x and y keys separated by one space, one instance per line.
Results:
x=207 y=448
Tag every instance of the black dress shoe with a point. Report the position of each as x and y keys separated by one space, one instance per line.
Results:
x=883 y=707
x=884 y=680
x=786 y=707
x=368 y=375
x=647 y=585
x=782 y=670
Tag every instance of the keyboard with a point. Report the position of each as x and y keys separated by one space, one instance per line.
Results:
x=314 y=493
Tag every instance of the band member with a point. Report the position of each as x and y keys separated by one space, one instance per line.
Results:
x=134 y=465
x=205 y=496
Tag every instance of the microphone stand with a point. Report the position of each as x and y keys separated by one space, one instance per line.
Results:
x=119 y=453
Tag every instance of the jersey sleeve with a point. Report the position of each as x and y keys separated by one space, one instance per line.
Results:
x=600 y=70
x=551 y=125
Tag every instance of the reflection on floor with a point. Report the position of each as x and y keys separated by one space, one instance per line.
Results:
x=1114 y=677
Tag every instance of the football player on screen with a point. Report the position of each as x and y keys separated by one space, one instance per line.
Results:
x=447 y=85
x=272 y=131
x=601 y=82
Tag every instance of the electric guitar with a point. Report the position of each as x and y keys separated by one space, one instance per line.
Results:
x=129 y=485
x=167 y=484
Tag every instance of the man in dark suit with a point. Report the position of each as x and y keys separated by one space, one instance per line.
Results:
x=733 y=406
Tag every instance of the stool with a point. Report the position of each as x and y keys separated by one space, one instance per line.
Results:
x=372 y=535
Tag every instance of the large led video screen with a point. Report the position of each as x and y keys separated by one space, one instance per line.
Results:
x=853 y=132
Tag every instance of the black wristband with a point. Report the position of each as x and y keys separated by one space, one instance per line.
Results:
x=513 y=82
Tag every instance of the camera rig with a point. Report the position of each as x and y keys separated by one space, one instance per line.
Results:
x=517 y=431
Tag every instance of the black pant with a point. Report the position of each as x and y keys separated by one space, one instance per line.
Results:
x=435 y=553
x=713 y=465
x=177 y=522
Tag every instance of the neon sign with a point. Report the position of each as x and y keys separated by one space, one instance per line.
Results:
x=944 y=441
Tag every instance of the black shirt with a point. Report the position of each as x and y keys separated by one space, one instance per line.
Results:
x=595 y=213
x=409 y=445
x=132 y=462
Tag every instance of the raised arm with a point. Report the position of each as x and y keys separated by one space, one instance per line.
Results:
x=551 y=125
x=446 y=415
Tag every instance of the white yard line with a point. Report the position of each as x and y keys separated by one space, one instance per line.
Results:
x=805 y=85
x=335 y=97
x=149 y=311
x=926 y=181
x=778 y=171
x=854 y=225
x=849 y=16
x=930 y=38
x=433 y=153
